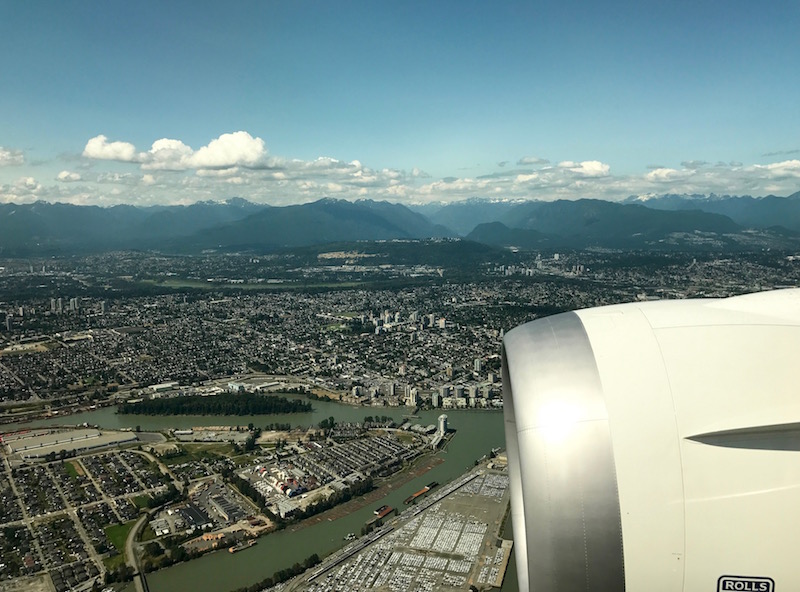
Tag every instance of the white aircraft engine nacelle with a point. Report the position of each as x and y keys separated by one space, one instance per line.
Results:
x=655 y=446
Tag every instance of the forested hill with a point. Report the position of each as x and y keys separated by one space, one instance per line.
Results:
x=223 y=404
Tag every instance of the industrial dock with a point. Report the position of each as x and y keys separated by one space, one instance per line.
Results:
x=448 y=541
x=412 y=498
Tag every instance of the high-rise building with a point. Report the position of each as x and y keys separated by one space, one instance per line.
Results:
x=52 y=305
x=478 y=365
x=412 y=398
x=9 y=322
x=59 y=305
x=442 y=424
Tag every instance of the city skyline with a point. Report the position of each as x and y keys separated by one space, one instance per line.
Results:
x=413 y=103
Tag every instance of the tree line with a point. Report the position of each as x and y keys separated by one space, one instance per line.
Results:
x=222 y=404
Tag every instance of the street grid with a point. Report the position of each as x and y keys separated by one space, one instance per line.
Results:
x=55 y=517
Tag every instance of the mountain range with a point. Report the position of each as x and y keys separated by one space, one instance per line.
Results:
x=667 y=221
x=751 y=212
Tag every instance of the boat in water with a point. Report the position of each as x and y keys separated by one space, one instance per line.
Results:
x=242 y=545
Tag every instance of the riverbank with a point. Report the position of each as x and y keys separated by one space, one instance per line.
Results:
x=478 y=431
x=386 y=487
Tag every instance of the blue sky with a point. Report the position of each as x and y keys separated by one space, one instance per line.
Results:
x=174 y=102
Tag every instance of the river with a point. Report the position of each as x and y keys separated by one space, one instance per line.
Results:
x=477 y=432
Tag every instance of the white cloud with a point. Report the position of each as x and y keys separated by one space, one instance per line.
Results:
x=323 y=162
x=786 y=168
x=68 y=177
x=28 y=184
x=398 y=191
x=238 y=164
x=9 y=157
x=117 y=178
x=587 y=168
x=168 y=155
x=391 y=174
x=664 y=175
x=218 y=172
x=419 y=173
x=227 y=151
x=524 y=178
x=458 y=187
x=239 y=148
x=531 y=160
x=100 y=148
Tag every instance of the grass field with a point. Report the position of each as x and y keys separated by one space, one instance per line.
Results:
x=118 y=533
x=19 y=408
x=192 y=451
x=114 y=562
x=405 y=438
x=140 y=501
x=71 y=470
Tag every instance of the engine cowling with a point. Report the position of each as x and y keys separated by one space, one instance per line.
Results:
x=656 y=446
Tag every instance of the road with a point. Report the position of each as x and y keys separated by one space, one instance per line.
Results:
x=25 y=517
x=73 y=514
x=130 y=554
x=103 y=494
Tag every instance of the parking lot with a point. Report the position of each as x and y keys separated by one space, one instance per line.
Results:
x=451 y=545
x=307 y=471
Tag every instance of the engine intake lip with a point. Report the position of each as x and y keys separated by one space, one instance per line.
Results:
x=565 y=502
